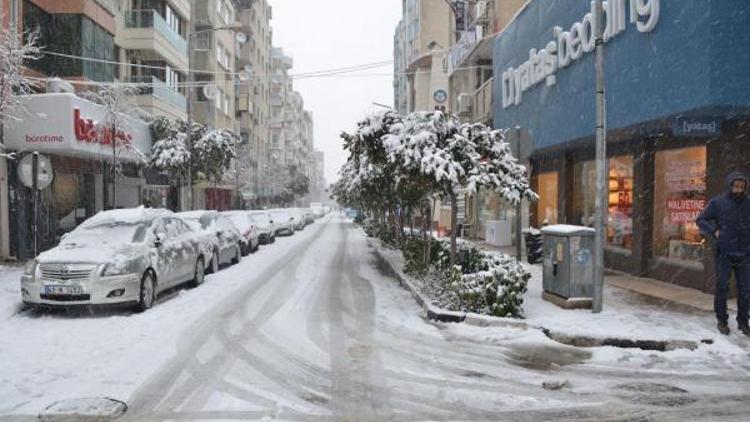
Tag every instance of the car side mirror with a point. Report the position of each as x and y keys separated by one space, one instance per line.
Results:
x=160 y=238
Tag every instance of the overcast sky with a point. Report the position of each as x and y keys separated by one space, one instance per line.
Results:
x=327 y=34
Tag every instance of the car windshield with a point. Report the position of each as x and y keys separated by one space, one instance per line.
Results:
x=195 y=223
x=240 y=220
x=112 y=232
x=260 y=218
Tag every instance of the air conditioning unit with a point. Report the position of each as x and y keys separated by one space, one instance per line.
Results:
x=464 y=104
x=57 y=85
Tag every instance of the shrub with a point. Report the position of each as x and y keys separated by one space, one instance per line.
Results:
x=495 y=285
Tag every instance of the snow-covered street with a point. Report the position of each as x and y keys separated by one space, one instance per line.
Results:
x=314 y=327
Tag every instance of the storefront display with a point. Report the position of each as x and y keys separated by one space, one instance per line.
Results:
x=679 y=196
x=620 y=202
x=619 y=197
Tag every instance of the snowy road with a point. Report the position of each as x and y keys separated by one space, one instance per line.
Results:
x=313 y=328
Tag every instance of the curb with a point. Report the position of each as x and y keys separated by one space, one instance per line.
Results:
x=443 y=315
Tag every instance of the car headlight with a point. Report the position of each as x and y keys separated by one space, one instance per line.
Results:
x=112 y=270
x=30 y=267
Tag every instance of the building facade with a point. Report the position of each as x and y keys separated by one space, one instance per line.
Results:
x=253 y=97
x=213 y=62
x=678 y=115
x=421 y=40
x=152 y=38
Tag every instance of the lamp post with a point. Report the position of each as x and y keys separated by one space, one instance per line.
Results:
x=241 y=38
x=601 y=163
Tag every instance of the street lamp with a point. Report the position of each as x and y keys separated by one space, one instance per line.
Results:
x=241 y=38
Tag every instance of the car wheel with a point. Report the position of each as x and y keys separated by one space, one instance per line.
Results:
x=237 y=254
x=148 y=292
x=199 y=275
x=214 y=267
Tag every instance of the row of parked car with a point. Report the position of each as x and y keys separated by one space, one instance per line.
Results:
x=129 y=256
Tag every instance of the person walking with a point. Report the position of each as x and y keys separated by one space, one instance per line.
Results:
x=725 y=223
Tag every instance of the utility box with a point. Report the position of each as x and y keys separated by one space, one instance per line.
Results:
x=568 y=263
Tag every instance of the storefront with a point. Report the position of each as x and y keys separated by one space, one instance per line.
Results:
x=61 y=128
x=678 y=105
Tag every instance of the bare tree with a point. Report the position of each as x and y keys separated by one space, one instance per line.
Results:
x=120 y=110
x=16 y=49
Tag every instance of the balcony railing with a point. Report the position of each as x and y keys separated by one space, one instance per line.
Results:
x=149 y=18
x=483 y=101
x=154 y=86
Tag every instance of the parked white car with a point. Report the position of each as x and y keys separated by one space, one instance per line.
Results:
x=122 y=256
x=266 y=227
x=283 y=221
x=250 y=235
x=221 y=239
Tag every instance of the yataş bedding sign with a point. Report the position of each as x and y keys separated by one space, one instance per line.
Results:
x=569 y=46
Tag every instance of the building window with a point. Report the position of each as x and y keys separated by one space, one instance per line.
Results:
x=72 y=34
x=679 y=196
x=173 y=20
x=218 y=101
x=547 y=205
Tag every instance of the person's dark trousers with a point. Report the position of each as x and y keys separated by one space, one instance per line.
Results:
x=725 y=266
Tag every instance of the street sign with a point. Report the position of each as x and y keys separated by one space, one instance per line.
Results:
x=44 y=171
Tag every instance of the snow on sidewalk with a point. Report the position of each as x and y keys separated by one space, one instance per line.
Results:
x=625 y=316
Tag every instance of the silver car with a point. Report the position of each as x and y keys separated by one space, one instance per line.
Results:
x=283 y=221
x=222 y=241
x=122 y=256
x=264 y=222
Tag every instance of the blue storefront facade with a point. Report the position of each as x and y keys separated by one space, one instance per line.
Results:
x=678 y=119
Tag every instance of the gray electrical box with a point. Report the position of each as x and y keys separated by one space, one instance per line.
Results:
x=568 y=261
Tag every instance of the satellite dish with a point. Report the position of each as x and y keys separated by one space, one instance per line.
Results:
x=241 y=37
x=244 y=76
x=248 y=68
x=210 y=91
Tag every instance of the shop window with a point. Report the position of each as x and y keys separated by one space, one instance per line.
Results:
x=547 y=205
x=620 y=202
x=619 y=199
x=679 y=196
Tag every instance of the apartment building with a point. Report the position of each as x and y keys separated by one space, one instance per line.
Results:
x=212 y=60
x=291 y=128
x=470 y=75
x=469 y=62
x=421 y=42
x=253 y=97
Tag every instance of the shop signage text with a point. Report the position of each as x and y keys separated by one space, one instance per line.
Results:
x=86 y=131
x=684 y=211
x=696 y=127
x=569 y=46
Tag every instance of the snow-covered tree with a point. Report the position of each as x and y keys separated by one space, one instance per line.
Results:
x=120 y=110
x=455 y=156
x=213 y=154
x=17 y=48
x=171 y=155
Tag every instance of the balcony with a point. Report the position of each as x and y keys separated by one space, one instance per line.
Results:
x=482 y=102
x=160 y=97
x=147 y=30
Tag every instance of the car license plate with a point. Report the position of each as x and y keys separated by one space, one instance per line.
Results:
x=63 y=290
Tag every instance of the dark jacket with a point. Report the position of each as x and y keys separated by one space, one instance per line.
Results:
x=731 y=217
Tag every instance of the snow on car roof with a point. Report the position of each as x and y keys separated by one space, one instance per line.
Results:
x=194 y=214
x=127 y=215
